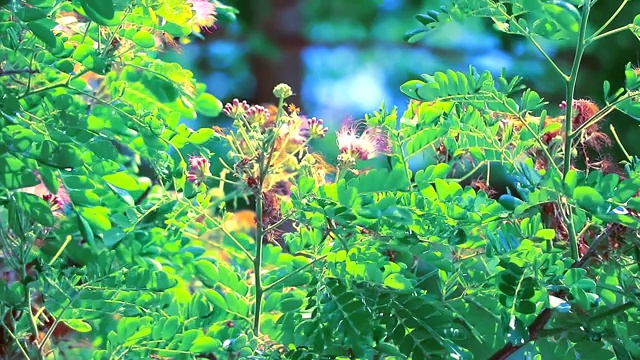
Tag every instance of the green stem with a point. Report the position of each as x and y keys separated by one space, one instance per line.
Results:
x=257 y=259
x=284 y=278
x=57 y=255
x=597 y=117
x=43 y=89
x=611 y=32
x=574 y=326
x=257 y=264
x=624 y=150
x=27 y=298
x=22 y=350
x=270 y=146
x=615 y=14
x=611 y=312
x=570 y=92
x=526 y=34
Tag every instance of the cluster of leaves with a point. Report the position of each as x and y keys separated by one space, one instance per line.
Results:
x=88 y=118
x=114 y=229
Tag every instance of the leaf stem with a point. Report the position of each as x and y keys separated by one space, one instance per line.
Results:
x=615 y=136
x=64 y=245
x=22 y=350
x=611 y=32
x=537 y=45
x=284 y=278
x=615 y=14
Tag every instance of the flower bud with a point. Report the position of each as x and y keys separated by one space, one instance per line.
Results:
x=282 y=91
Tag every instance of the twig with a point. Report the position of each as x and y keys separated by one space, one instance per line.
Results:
x=543 y=318
x=19 y=72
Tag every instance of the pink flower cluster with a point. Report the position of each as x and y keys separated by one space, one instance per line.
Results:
x=316 y=128
x=365 y=145
x=199 y=169
x=55 y=203
x=204 y=13
x=240 y=110
x=236 y=109
x=257 y=114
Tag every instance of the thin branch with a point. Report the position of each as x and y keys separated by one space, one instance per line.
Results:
x=535 y=43
x=19 y=72
x=624 y=150
x=615 y=14
x=294 y=272
x=591 y=252
x=536 y=327
x=611 y=32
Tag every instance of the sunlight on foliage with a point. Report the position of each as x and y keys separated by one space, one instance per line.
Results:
x=118 y=240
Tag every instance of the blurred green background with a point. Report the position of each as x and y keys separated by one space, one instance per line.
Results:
x=344 y=57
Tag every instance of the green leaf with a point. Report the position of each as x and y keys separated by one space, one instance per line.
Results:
x=416 y=35
x=509 y=202
x=215 y=298
x=207 y=272
x=65 y=66
x=347 y=195
x=144 y=39
x=85 y=230
x=170 y=328
x=587 y=197
x=526 y=307
x=626 y=189
x=27 y=14
x=10 y=163
x=546 y=234
x=122 y=180
x=208 y=105
x=96 y=219
x=35 y=208
x=50 y=179
x=397 y=281
x=67 y=156
x=78 y=325
x=580 y=297
x=204 y=344
x=574 y=275
x=100 y=11
x=82 y=52
x=112 y=237
x=239 y=342
x=201 y=136
x=567 y=16
x=571 y=180
x=14 y=181
x=43 y=33
x=290 y=304
x=410 y=88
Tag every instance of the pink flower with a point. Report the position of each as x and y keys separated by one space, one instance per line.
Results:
x=236 y=109
x=59 y=203
x=204 y=13
x=316 y=128
x=365 y=145
x=199 y=169
x=55 y=204
x=257 y=114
